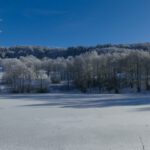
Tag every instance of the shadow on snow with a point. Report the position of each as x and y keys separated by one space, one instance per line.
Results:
x=83 y=100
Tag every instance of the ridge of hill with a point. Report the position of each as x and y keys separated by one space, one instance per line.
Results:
x=41 y=52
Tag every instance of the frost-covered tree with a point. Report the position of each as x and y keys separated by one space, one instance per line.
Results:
x=18 y=75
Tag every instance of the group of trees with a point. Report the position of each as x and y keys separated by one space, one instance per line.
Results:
x=105 y=72
x=113 y=72
x=20 y=74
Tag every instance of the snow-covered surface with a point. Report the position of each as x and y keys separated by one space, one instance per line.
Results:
x=74 y=122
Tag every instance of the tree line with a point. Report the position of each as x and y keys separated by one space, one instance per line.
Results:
x=89 y=71
x=41 y=52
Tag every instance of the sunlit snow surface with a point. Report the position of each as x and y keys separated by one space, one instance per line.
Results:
x=74 y=122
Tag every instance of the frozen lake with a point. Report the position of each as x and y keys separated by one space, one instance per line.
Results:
x=74 y=122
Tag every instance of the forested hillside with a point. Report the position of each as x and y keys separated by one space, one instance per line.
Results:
x=103 y=68
x=41 y=52
x=110 y=72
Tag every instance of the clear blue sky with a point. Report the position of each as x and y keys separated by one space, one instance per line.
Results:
x=62 y=23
